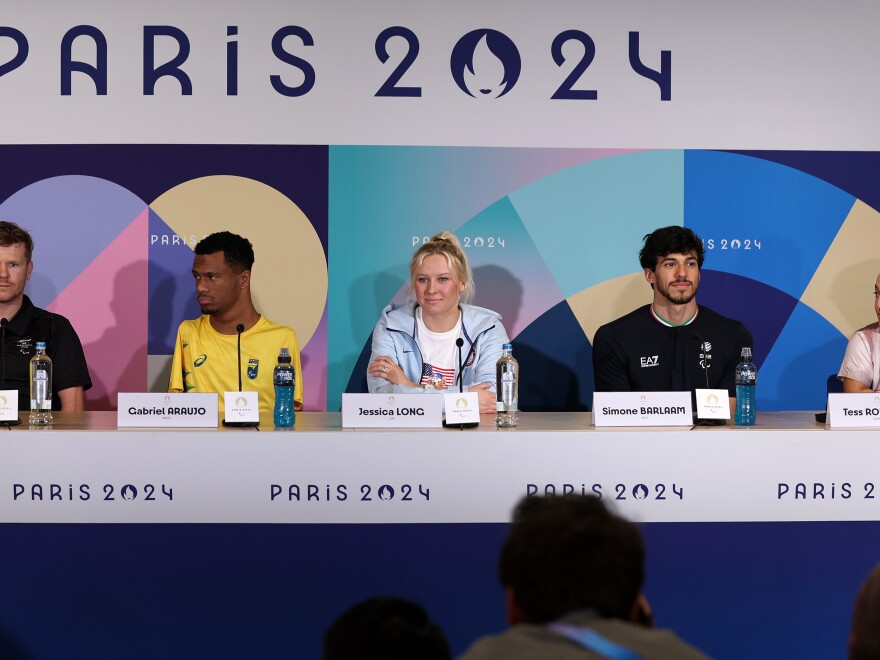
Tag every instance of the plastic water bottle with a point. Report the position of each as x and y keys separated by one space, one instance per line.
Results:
x=507 y=389
x=41 y=386
x=746 y=379
x=285 y=381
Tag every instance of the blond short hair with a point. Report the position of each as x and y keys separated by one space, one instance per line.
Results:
x=447 y=245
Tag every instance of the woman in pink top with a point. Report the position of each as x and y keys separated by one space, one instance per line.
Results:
x=860 y=371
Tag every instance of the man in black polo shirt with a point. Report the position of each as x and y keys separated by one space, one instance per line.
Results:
x=673 y=344
x=26 y=325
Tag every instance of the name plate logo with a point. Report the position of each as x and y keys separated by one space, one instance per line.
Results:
x=172 y=410
x=242 y=407
x=394 y=411
x=461 y=408
x=713 y=404
x=861 y=409
x=642 y=409
x=8 y=405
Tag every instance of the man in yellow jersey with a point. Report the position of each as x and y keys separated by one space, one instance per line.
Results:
x=206 y=349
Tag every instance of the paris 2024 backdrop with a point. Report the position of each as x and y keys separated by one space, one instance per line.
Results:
x=552 y=235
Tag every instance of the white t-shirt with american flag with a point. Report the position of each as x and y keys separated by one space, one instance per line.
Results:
x=438 y=351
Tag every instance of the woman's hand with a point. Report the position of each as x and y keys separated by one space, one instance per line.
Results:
x=486 y=396
x=385 y=367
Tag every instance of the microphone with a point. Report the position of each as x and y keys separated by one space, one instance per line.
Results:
x=459 y=343
x=699 y=338
x=239 y=329
x=3 y=323
x=705 y=422
x=462 y=426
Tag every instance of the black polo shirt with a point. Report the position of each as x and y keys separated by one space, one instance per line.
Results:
x=30 y=325
x=639 y=353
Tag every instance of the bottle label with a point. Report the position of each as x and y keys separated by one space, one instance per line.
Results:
x=284 y=377
x=41 y=390
x=508 y=398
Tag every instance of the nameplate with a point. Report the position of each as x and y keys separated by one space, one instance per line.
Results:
x=392 y=411
x=860 y=409
x=461 y=408
x=642 y=409
x=241 y=407
x=713 y=404
x=172 y=410
x=8 y=405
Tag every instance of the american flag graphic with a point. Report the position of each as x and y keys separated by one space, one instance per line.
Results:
x=431 y=375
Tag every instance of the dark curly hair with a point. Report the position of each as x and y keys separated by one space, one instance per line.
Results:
x=670 y=240
x=238 y=251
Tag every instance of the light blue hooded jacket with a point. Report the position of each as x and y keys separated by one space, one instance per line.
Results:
x=394 y=337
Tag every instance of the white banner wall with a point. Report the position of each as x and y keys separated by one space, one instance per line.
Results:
x=747 y=76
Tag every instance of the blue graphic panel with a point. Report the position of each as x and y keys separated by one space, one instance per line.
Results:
x=588 y=220
x=784 y=590
x=736 y=590
x=808 y=350
x=556 y=361
x=761 y=220
x=510 y=276
x=762 y=309
x=856 y=172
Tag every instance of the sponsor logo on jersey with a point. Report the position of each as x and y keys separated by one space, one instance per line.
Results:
x=650 y=361
x=705 y=355
x=199 y=361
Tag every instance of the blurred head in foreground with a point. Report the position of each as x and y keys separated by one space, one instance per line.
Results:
x=385 y=628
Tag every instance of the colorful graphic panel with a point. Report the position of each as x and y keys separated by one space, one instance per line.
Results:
x=786 y=252
x=114 y=246
x=384 y=200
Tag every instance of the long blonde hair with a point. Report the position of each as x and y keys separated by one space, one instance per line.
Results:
x=445 y=244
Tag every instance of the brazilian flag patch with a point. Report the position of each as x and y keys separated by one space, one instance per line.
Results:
x=253 y=367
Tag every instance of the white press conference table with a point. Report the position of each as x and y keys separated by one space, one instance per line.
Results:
x=753 y=535
x=83 y=469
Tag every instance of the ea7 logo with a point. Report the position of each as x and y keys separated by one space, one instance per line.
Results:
x=650 y=361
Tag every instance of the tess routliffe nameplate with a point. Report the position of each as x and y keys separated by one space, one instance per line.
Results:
x=172 y=410
x=392 y=411
x=854 y=410
x=642 y=409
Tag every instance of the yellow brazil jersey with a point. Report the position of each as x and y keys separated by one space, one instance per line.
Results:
x=205 y=361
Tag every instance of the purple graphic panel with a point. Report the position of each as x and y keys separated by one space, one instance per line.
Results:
x=172 y=293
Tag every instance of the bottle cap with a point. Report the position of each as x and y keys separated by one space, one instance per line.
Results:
x=41 y=344
x=746 y=352
x=508 y=347
x=284 y=356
